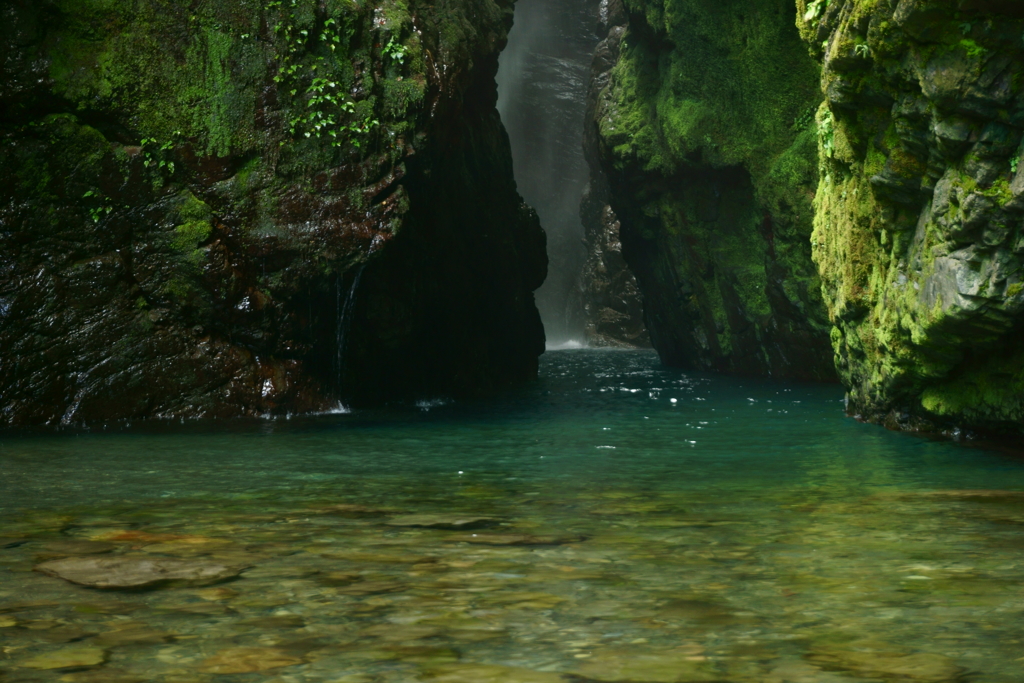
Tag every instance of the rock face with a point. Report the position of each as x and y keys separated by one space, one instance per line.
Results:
x=609 y=296
x=920 y=207
x=706 y=134
x=228 y=209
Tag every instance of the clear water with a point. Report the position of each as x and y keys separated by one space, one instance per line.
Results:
x=746 y=531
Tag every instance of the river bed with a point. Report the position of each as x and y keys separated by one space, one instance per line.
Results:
x=615 y=521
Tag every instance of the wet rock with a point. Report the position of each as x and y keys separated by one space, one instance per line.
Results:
x=650 y=667
x=917 y=667
x=443 y=521
x=401 y=633
x=515 y=539
x=373 y=588
x=207 y=316
x=67 y=658
x=339 y=578
x=126 y=572
x=75 y=547
x=484 y=673
x=277 y=621
x=134 y=634
x=711 y=211
x=104 y=675
x=244 y=660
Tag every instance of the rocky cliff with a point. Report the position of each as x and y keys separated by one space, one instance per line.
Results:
x=607 y=295
x=229 y=208
x=920 y=207
x=705 y=129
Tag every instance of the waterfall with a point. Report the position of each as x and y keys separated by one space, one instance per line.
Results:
x=542 y=89
x=344 y=309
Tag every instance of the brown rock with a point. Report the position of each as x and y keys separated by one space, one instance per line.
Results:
x=244 y=660
x=124 y=572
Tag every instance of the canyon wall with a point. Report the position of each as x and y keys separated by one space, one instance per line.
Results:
x=773 y=234
x=920 y=206
x=233 y=208
x=705 y=131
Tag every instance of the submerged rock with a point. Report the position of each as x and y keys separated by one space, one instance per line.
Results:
x=244 y=660
x=136 y=572
x=680 y=666
x=485 y=673
x=916 y=667
x=515 y=539
x=67 y=658
x=443 y=521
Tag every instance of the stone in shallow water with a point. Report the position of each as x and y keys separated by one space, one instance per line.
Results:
x=515 y=539
x=104 y=675
x=125 y=572
x=373 y=588
x=350 y=510
x=486 y=673
x=134 y=634
x=67 y=658
x=918 y=667
x=442 y=521
x=676 y=666
x=244 y=660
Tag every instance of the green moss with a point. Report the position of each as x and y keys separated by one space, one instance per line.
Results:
x=194 y=229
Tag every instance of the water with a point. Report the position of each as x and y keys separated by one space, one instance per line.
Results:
x=542 y=91
x=746 y=531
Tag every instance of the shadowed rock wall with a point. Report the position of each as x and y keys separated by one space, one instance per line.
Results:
x=706 y=135
x=607 y=293
x=920 y=208
x=187 y=194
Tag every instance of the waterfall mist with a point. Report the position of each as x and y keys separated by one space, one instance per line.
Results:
x=542 y=89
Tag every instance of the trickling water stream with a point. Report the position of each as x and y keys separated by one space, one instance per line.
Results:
x=344 y=313
x=542 y=88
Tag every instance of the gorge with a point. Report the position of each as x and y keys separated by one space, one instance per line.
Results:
x=511 y=341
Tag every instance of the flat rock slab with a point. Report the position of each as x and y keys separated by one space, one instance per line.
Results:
x=126 y=573
x=443 y=521
x=68 y=658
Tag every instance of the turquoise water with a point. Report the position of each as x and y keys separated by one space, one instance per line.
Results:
x=635 y=523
